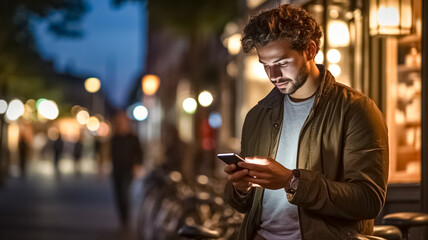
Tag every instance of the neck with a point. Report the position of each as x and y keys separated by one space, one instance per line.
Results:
x=300 y=99
x=311 y=85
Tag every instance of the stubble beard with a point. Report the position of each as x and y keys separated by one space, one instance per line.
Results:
x=299 y=81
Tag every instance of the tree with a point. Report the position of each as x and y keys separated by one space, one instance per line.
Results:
x=23 y=73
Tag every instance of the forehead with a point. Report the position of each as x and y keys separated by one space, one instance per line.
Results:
x=276 y=50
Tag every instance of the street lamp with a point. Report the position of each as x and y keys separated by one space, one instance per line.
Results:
x=390 y=17
x=92 y=85
x=150 y=84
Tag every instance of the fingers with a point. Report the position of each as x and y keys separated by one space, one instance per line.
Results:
x=252 y=166
x=237 y=175
x=259 y=182
x=230 y=168
x=262 y=175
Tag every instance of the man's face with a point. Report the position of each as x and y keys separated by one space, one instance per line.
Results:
x=286 y=68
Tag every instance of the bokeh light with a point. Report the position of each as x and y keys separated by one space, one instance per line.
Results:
x=31 y=103
x=233 y=44
x=93 y=124
x=103 y=130
x=319 y=58
x=338 y=34
x=215 y=120
x=205 y=98
x=15 y=110
x=334 y=69
x=253 y=69
x=53 y=133
x=48 y=109
x=202 y=179
x=92 y=85
x=82 y=117
x=140 y=113
x=39 y=101
x=75 y=109
x=150 y=84
x=3 y=106
x=189 y=105
x=333 y=55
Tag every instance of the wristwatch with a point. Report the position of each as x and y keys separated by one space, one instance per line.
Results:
x=294 y=182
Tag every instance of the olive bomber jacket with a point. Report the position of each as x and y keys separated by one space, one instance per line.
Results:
x=342 y=158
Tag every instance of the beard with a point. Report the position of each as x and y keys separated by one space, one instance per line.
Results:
x=298 y=82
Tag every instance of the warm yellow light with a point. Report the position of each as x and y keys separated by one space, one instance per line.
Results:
x=189 y=105
x=104 y=130
x=175 y=176
x=53 y=133
x=3 y=106
x=93 y=124
x=48 y=109
x=333 y=56
x=232 y=69
x=92 y=85
x=254 y=70
x=82 y=117
x=334 y=69
x=31 y=103
x=75 y=109
x=205 y=98
x=388 y=16
x=319 y=58
x=12 y=136
x=15 y=110
x=338 y=34
x=233 y=44
x=69 y=129
x=150 y=84
x=202 y=179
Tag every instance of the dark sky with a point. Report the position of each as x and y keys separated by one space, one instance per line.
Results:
x=112 y=47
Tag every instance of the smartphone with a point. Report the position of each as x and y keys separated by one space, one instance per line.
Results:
x=230 y=158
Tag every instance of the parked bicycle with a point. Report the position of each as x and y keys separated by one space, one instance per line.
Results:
x=171 y=203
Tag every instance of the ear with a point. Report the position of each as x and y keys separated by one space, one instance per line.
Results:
x=311 y=50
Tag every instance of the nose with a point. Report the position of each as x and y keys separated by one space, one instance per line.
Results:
x=274 y=73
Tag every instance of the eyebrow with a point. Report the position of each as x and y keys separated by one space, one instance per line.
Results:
x=279 y=60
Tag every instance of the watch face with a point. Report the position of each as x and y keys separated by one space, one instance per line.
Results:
x=294 y=184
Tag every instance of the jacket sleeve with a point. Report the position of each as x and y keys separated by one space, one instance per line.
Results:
x=361 y=194
x=241 y=204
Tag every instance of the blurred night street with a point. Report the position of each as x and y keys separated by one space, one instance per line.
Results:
x=71 y=207
x=126 y=119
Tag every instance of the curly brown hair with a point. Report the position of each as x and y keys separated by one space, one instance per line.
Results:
x=285 y=22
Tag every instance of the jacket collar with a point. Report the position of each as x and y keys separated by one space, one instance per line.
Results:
x=275 y=98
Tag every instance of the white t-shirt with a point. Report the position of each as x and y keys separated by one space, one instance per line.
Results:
x=280 y=219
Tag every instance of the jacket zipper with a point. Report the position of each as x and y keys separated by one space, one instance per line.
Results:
x=305 y=125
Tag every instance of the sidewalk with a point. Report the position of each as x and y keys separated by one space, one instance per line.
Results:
x=42 y=207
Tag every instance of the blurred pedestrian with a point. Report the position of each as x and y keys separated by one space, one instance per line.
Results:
x=58 y=146
x=174 y=148
x=77 y=154
x=126 y=156
x=23 y=153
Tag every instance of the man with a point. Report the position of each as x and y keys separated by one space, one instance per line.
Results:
x=316 y=150
x=127 y=157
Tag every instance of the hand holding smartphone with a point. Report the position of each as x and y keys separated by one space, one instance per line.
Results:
x=231 y=158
